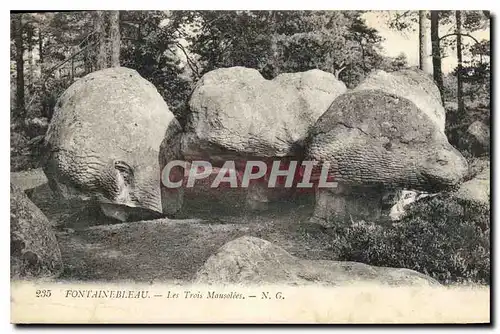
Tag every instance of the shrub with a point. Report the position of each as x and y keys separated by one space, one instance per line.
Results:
x=440 y=237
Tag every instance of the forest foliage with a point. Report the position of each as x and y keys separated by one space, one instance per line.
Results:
x=173 y=49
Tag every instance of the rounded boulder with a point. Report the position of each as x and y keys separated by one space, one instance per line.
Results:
x=414 y=85
x=235 y=112
x=103 y=143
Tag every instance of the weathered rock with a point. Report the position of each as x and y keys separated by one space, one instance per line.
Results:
x=170 y=150
x=235 y=112
x=346 y=203
x=375 y=138
x=103 y=142
x=34 y=251
x=403 y=200
x=414 y=85
x=317 y=88
x=249 y=260
x=28 y=179
x=476 y=190
x=375 y=141
x=238 y=115
x=479 y=137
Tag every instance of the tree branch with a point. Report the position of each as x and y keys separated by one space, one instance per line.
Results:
x=461 y=34
x=55 y=67
x=86 y=38
x=43 y=81
x=464 y=35
x=191 y=64
x=340 y=70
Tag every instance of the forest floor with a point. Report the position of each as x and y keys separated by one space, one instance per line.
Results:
x=95 y=248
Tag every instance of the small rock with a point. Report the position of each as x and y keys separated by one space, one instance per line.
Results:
x=28 y=179
x=480 y=137
x=404 y=199
x=476 y=190
x=34 y=248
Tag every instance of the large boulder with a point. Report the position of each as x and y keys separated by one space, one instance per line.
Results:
x=374 y=142
x=236 y=114
x=103 y=142
x=253 y=261
x=414 y=85
x=34 y=250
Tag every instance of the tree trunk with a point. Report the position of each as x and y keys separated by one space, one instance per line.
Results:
x=436 y=52
x=45 y=106
x=114 y=31
x=31 y=65
x=424 y=44
x=87 y=59
x=18 y=41
x=460 y=89
x=40 y=48
x=273 y=61
x=100 y=30
x=72 y=74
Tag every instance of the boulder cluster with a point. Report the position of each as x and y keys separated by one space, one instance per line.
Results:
x=112 y=134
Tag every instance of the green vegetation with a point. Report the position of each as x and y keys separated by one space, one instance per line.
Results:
x=440 y=237
x=173 y=49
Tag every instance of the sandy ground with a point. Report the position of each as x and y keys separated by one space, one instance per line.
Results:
x=97 y=248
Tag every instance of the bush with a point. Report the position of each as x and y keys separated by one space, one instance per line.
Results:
x=440 y=237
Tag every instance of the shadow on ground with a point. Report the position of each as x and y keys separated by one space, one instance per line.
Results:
x=95 y=248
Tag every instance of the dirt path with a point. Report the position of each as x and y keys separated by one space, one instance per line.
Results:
x=95 y=248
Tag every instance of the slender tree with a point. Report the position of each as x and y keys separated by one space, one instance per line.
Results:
x=405 y=21
x=31 y=59
x=436 y=52
x=424 y=42
x=41 y=57
x=460 y=89
x=40 y=44
x=274 y=56
x=114 y=31
x=18 y=41
x=100 y=31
